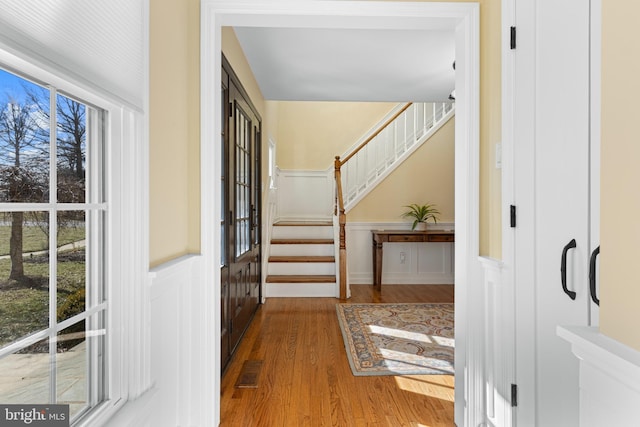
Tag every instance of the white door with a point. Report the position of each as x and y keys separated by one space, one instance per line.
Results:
x=561 y=202
x=553 y=188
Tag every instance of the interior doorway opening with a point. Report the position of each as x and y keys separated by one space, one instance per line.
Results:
x=461 y=17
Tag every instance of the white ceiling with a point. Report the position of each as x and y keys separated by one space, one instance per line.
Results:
x=322 y=64
x=102 y=41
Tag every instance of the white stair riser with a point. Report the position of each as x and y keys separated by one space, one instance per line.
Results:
x=302 y=250
x=302 y=232
x=301 y=290
x=301 y=268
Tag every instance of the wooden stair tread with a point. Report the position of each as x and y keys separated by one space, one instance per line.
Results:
x=300 y=278
x=303 y=223
x=302 y=259
x=301 y=241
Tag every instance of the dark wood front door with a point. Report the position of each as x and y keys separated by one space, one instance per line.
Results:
x=241 y=231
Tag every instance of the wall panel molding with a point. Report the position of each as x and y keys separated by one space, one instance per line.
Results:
x=305 y=195
x=424 y=263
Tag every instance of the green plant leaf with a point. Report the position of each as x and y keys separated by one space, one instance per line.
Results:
x=421 y=213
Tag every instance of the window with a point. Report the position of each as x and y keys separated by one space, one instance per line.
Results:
x=242 y=182
x=272 y=164
x=53 y=218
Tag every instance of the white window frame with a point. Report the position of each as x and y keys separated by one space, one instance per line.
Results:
x=272 y=164
x=127 y=368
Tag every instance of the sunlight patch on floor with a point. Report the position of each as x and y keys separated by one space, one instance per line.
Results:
x=412 y=336
x=438 y=386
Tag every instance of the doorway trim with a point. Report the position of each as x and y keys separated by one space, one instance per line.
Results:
x=464 y=19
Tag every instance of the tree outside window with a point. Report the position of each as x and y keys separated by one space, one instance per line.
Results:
x=49 y=279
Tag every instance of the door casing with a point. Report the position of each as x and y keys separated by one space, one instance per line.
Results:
x=461 y=17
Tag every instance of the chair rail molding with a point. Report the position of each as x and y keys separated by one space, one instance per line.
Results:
x=609 y=378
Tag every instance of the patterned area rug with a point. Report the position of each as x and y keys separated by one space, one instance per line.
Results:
x=398 y=339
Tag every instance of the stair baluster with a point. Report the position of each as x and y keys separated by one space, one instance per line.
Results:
x=396 y=138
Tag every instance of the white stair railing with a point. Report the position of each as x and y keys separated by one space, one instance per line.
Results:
x=393 y=140
x=375 y=156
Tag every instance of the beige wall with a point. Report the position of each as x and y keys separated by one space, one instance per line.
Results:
x=490 y=135
x=490 y=126
x=174 y=122
x=174 y=125
x=311 y=134
x=620 y=174
x=174 y=129
x=174 y=145
x=425 y=177
x=234 y=54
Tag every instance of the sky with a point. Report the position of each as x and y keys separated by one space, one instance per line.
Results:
x=12 y=85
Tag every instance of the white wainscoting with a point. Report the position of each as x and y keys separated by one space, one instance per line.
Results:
x=424 y=263
x=609 y=378
x=269 y=217
x=497 y=345
x=175 y=376
x=305 y=195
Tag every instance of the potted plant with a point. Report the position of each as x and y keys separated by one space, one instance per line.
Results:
x=421 y=214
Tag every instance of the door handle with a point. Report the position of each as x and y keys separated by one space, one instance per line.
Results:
x=592 y=275
x=563 y=268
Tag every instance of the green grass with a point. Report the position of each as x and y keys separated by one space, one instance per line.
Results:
x=24 y=306
x=34 y=239
x=22 y=311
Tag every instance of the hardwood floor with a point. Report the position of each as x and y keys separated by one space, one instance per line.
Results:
x=306 y=379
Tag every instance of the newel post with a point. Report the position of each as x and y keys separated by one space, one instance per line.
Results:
x=342 y=220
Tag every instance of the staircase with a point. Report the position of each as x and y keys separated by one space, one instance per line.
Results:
x=306 y=255
x=301 y=260
x=380 y=152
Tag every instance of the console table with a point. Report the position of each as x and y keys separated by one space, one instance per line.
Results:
x=382 y=236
